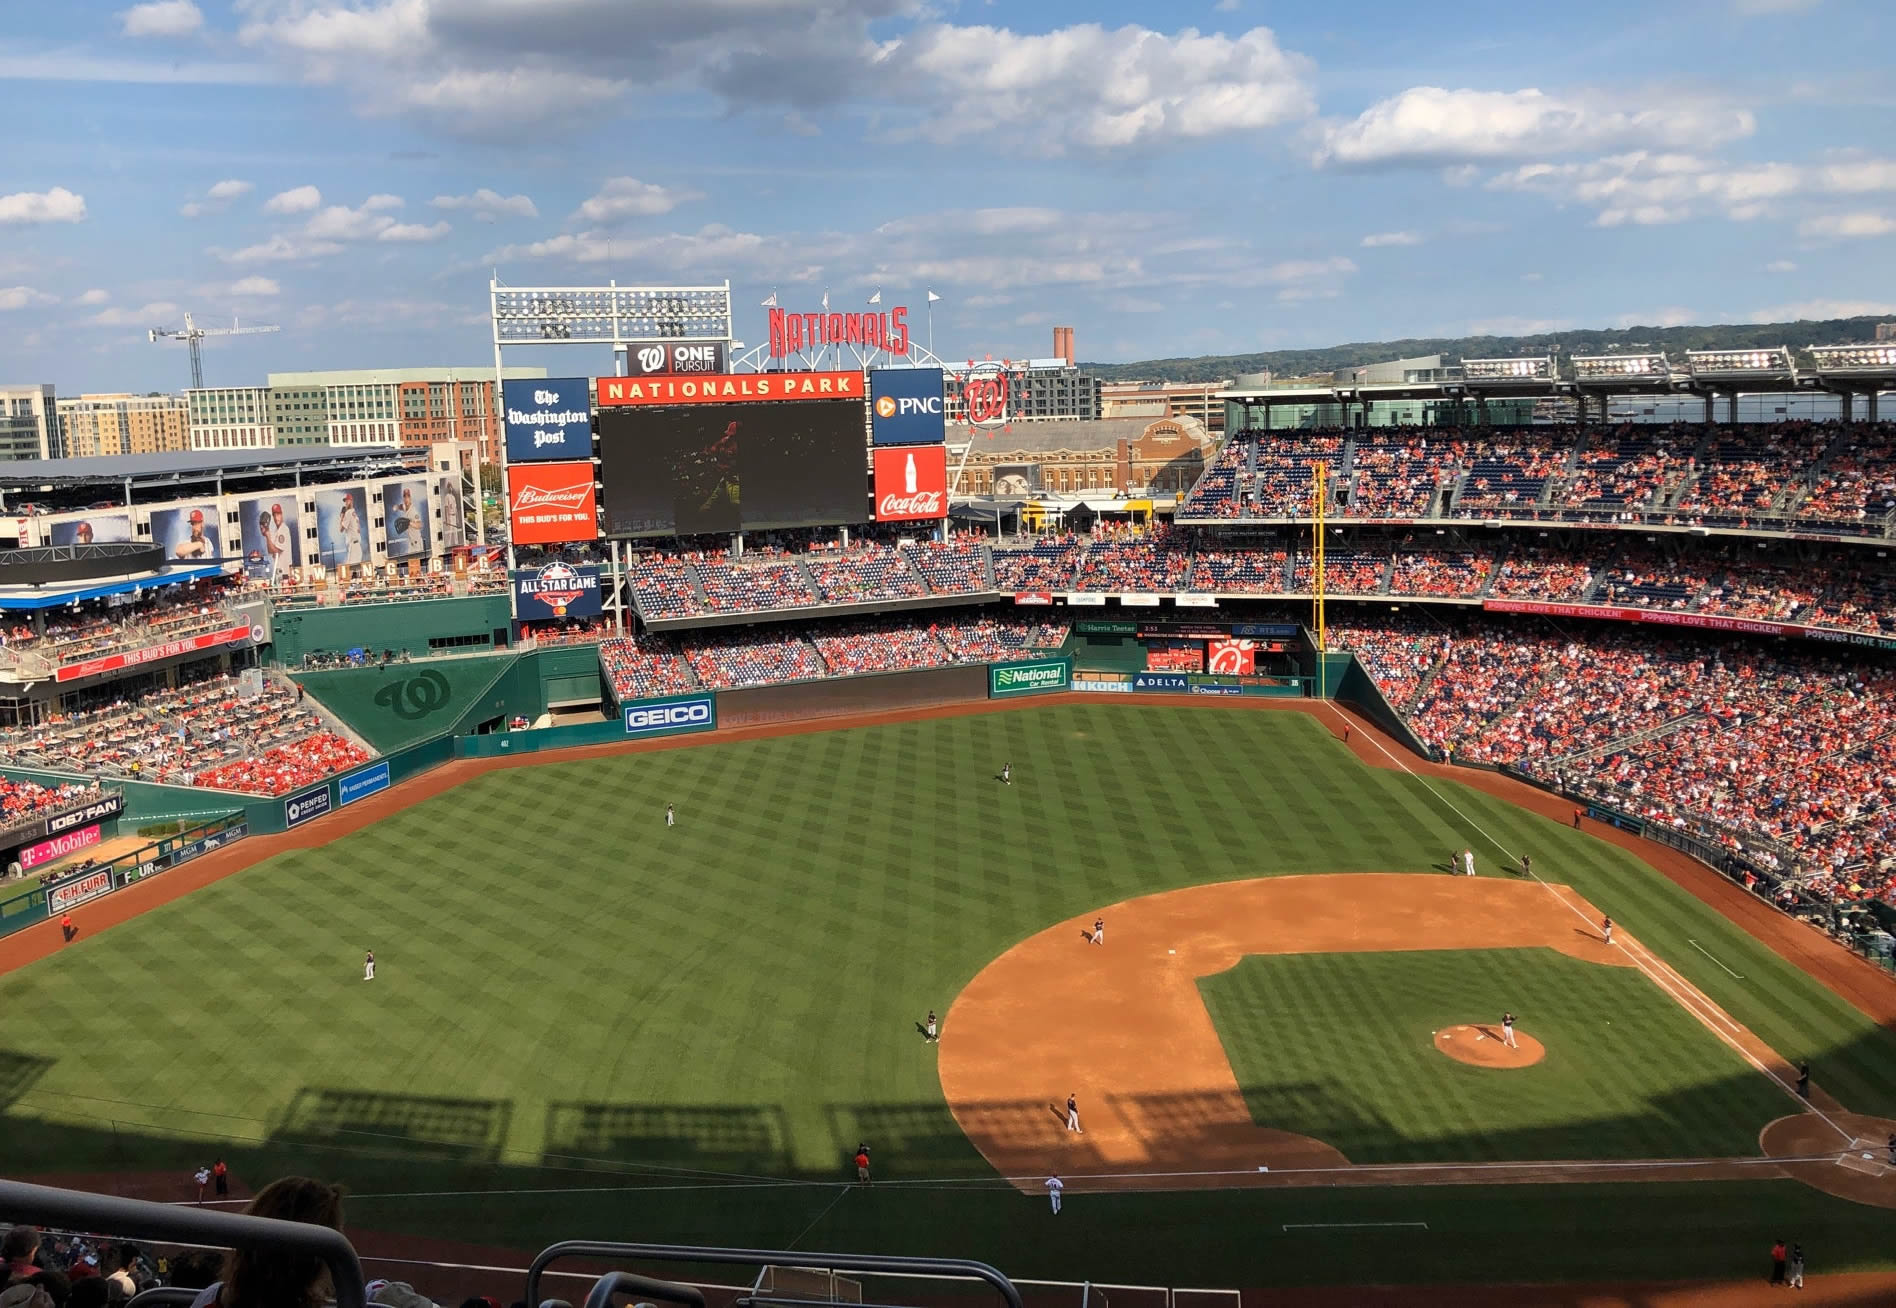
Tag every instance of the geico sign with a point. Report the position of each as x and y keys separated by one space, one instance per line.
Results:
x=889 y=406
x=665 y=717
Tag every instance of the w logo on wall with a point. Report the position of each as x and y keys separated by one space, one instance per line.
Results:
x=984 y=392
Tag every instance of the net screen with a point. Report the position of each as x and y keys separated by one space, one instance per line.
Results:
x=720 y=468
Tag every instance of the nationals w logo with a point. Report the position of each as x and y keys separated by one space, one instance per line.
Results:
x=984 y=391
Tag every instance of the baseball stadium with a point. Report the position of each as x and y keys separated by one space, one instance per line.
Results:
x=720 y=860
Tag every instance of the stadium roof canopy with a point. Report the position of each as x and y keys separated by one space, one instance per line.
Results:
x=24 y=476
x=26 y=598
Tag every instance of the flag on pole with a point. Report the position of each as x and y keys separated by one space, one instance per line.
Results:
x=826 y=301
x=877 y=297
x=932 y=297
x=771 y=303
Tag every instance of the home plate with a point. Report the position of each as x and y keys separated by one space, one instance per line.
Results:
x=1171 y=951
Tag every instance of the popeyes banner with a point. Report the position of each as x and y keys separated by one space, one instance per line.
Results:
x=720 y=390
x=152 y=653
x=58 y=847
x=551 y=503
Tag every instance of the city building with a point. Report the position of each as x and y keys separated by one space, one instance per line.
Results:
x=362 y=407
x=1424 y=409
x=1122 y=456
x=1163 y=399
x=231 y=418
x=1036 y=390
x=29 y=422
x=1886 y=331
x=98 y=426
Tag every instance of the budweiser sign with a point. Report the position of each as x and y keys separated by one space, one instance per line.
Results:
x=152 y=653
x=562 y=497
x=551 y=503
x=911 y=482
x=791 y=333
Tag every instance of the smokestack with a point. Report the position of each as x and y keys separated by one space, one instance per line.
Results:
x=1063 y=344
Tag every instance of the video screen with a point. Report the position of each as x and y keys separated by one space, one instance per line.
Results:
x=723 y=468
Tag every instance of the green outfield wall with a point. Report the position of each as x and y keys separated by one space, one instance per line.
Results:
x=417 y=627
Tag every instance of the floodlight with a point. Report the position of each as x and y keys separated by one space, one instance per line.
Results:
x=1508 y=370
x=1875 y=359
x=610 y=315
x=1620 y=367
x=1739 y=363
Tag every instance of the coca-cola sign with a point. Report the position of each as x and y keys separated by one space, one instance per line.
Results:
x=551 y=503
x=911 y=483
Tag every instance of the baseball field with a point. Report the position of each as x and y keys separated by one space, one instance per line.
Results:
x=1287 y=1052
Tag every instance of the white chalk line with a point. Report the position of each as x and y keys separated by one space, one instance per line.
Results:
x=1701 y=948
x=1702 y=1008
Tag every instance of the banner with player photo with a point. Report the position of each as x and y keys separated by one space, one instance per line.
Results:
x=342 y=527
x=190 y=532
x=405 y=518
x=271 y=531
x=93 y=529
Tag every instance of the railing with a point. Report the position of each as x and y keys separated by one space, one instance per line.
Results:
x=139 y=1219
x=958 y=1269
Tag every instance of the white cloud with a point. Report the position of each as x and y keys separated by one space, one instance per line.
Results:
x=94 y=296
x=1381 y=239
x=301 y=199
x=1646 y=187
x=1227 y=6
x=488 y=206
x=1847 y=226
x=162 y=18
x=413 y=232
x=24 y=297
x=1780 y=266
x=1531 y=277
x=253 y=288
x=218 y=197
x=1429 y=125
x=1513 y=326
x=1820 y=310
x=281 y=249
x=628 y=197
x=157 y=314
x=55 y=206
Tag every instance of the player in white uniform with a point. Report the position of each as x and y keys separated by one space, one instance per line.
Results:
x=1468 y=861
x=671 y=819
x=1507 y=1031
x=368 y=967
x=1054 y=1186
x=1007 y=774
x=1099 y=930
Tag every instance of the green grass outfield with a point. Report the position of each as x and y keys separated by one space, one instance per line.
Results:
x=695 y=1026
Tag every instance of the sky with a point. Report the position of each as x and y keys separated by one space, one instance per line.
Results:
x=1180 y=179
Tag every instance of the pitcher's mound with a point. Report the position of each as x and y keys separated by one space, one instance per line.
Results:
x=1481 y=1045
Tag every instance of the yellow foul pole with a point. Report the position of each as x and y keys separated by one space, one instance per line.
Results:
x=1316 y=553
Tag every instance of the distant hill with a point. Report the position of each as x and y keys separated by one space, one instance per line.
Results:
x=1673 y=340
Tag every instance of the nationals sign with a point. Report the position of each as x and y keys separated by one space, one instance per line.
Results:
x=911 y=482
x=794 y=332
x=551 y=503
x=736 y=386
x=984 y=393
x=1233 y=658
x=152 y=653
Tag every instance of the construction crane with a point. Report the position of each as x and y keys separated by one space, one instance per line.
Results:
x=194 y=335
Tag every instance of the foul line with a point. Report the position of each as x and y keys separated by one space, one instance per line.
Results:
x=1701 y=948
x=1682 y=1000
x=1347 y=1226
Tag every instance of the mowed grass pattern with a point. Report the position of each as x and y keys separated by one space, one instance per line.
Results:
x=1628 y=1073
x=571 y=995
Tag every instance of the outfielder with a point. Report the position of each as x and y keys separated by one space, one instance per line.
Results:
x=1468 y=861
x=368 y=967
x=933 y=1028
x=671 y=818
x=1007 y=774
x=1054 y=1186
x=1606 y=929
x=1507 y=1031
x=1073 y=1116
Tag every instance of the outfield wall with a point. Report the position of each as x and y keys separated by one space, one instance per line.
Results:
x=478 y=623
x=876 y=692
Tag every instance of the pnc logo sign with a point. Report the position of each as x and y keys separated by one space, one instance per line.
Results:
x=909 y=406
x=678 y=715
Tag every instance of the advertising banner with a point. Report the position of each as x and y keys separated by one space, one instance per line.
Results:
x=552 y=503
x=906 y=406
x=306 y=807
x=792 y=332
x=1113 y=683
x=1086 y=599
x=1034 y=597
x=268 y=526
x=170 y=856
x=677 y=359
x=614 y=391
x=70 y=894
x=189 y=532
x=152 y=653
x=93 y=529
x=1028 y=678
x=405 y=516
x=100 y=809
x=1235 y=657
x=58 y=847
x=1139 y=601
x=1264 y=629
x=1105 y=627
x=547 y=418
x=371 y=780
x=453 y=524
x=911 y=483
x=558 y=590
x=1195 y=601
x=1174 y=682
x=341 y=539
x=671 y=716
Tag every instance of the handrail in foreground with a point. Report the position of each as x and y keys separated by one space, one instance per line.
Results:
x=962 y=1268
x=140 y=1219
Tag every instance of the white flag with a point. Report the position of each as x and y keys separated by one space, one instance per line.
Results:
x=771 y=303
x=877 y=297
x=826 y=301
x=932 y=297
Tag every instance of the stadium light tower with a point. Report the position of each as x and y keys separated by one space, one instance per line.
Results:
x=1605 y=375
x=1733 y=371
x=1847 y=369
x=1509 y=372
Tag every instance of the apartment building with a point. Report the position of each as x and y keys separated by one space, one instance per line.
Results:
x=98 y=426
x=29 y=422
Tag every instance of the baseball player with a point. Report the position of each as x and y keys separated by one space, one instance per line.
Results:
x=1468 y=861
x=368 y=967
x=203 y=1179
x=1054 y=1186
x=1073 y=1116
x=1527 y=866
x=862 y=1164
x=1099 y=930
x=933 y=1028
x=1507 y=1031
x=671 y=818
x=1606 y=929
x=1007 y=774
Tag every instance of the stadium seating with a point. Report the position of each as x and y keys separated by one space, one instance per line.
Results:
x=1044 y=565
x=22 y=800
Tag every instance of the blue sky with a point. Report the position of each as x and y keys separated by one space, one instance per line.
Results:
x=1179 y=179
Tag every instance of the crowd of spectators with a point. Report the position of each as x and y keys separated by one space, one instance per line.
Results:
x=1634 y=467
x=1536 y=572
x=1397 y=473
x=65 y=636
x=746 y=587
x=1133 y=563
x=1743 y=470
x=866 y=575
x=643 y=667
x=1048 y=564
x=21 y=801
x=1857 y=479
x=1505 y=474
x=1344 y=573
x=732 y=661
x=1651 y=578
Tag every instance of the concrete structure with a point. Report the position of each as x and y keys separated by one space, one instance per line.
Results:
x=29 y=422
x=354 y=407
x=1126 y=456
x=100 y=426
x=1203 y=401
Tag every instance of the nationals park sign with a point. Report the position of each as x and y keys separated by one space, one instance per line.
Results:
x=732 y=386
x=1028 y=678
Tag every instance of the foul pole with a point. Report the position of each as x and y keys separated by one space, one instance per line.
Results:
x=1316 y=574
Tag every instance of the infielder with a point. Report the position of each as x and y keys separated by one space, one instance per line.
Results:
x=1099 y=930
x=932 y=1029
x=1606 y=929
x=1054 y=1186
x=1507 y=1031
x=1468 y=861
x=1073 y=1116
x=368 y=967
x=671 y=818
